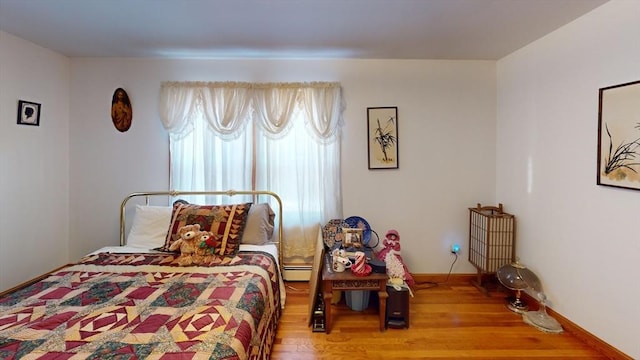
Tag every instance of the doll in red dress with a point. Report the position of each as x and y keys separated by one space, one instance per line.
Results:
x=391 y=244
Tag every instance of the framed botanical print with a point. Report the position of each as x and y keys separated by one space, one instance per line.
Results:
x=619 y=136
x=382 y=127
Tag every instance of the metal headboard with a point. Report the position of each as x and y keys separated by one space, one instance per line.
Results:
x=229 y=193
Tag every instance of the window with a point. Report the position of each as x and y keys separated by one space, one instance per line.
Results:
x=279 y=137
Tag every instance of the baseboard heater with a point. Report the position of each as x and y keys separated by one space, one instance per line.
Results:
x=297 y=272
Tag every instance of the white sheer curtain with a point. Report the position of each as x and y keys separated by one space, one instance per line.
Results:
x=283 y=137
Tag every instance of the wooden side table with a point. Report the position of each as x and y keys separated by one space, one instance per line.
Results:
x=348 y=281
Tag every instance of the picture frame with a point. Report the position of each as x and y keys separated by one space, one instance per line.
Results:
x=619 y=136
x=121 y=110
x=352 y=237
x=382 y=137
x=28 y=113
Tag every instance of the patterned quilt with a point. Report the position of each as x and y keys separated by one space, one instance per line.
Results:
x=144 y=306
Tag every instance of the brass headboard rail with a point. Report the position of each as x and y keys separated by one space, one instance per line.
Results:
x=229 y=193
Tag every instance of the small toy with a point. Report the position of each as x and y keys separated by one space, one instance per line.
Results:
x=391 y=244
x=188 y=235
x=207 y=243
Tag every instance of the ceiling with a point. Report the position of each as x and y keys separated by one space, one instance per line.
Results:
x=371 y=29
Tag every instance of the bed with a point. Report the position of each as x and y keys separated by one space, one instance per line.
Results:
x=135 y=301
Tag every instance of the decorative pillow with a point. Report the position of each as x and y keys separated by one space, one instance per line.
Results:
x=260 y=223
x=149 y=228
x=228 y=221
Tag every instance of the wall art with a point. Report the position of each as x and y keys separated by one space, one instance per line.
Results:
x=382 y=127
x=28 y=113
x=619 y=136
x=121 y=111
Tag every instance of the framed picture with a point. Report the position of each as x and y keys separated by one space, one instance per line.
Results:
x=121 y=110
x=382 y=127
x=352 y=237
x=28 y=113
x=619 y=136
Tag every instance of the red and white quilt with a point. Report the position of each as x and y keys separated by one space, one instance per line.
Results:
x=144 y=306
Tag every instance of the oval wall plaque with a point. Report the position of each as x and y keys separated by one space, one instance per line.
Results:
x=121 y=111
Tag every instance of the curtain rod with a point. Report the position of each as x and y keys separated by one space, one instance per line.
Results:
x=250 y=85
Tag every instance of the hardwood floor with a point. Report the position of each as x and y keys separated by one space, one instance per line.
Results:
x=448 y=321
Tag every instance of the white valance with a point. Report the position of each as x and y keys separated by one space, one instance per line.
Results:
x=228 y=106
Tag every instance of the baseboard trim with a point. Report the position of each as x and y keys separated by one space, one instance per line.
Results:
x=30 y=282
x=490 y=283
x=582 y=334
x=443 y=278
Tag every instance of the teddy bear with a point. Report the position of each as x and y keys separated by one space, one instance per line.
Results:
x=207 y=243
x=186 y=243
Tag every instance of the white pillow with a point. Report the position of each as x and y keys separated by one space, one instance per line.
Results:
x=150 y=226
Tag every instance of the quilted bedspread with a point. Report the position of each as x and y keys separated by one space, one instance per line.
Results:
x=144 y=306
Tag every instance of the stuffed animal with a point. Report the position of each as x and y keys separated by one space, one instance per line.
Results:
x=188 y=236
x=207 y=243
x=391 y=244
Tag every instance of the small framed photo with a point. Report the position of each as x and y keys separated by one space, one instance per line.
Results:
x=28 y=113
x=382 y=127
x=352 y=237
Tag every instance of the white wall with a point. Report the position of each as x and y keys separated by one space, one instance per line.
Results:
x=34 y=162
x=582 y=240
x=446 y=112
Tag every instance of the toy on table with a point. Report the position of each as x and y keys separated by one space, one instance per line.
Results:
x=390 y=254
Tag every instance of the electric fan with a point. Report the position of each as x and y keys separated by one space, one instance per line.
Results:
x=517 y=277
x=510 y=275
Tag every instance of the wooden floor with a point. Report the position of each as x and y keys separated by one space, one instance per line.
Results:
x=447 y=322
